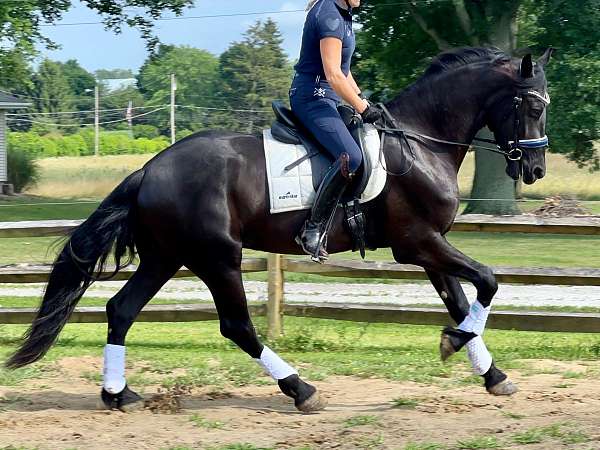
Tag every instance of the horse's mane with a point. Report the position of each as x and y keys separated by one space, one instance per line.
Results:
x=459 y=57
x=449 y=61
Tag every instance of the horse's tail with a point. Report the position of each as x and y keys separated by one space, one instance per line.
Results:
x=109 y=229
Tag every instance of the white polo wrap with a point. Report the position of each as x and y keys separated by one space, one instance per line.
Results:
x=475 y=321
x=478 y=354
x=274 y=365
x=114 y=368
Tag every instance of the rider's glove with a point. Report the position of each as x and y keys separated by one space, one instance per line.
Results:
x=372 y=114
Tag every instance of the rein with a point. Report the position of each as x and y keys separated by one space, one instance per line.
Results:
x=513 y=150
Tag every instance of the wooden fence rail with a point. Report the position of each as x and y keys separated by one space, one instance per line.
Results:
x=467 y=222
x=503 y=320
x=276 y=266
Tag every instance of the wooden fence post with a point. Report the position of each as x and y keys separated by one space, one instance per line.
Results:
x=275 y=299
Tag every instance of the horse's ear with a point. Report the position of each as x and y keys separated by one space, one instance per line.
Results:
x=526 y=69
x=545 y=57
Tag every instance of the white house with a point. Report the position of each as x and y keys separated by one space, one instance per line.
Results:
x=7 y=102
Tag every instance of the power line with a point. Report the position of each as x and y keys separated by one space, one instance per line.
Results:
x=245 y=14
x=89 y=111
x=225 y=109
x=13 y=119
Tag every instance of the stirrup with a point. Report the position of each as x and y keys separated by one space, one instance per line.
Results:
x=318 y=254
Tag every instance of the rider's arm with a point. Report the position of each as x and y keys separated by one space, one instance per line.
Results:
x=353 y=83
x=331 y=55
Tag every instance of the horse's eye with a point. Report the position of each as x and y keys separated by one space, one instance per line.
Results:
x=536 y=113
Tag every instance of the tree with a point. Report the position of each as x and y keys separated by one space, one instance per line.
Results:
x=117 y=101
x=80 y=80
x=574 y=119
x=52 y=92
x=253 y=73
x=16 y=77
x=196 y=74
x=397 y=42
x=81 y=87
x=114 y=74
x=21 y=20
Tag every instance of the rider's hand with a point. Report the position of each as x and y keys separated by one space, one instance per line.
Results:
x=372 y=114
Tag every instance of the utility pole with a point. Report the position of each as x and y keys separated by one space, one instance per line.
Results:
x=173 y=89
x=97 y=121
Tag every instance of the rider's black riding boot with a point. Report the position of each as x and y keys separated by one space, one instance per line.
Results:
x=313 y=236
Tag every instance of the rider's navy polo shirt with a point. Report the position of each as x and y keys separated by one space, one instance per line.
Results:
x=325 y=19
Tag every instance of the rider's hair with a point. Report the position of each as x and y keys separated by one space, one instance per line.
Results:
x=310 y=4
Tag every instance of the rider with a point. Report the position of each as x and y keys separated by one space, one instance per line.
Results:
x=322 y=80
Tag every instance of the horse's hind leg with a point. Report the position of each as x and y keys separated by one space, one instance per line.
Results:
x=453 y=296
x=121 y=312
x=224 y=279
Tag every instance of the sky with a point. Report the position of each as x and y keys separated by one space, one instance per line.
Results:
x=96 y=48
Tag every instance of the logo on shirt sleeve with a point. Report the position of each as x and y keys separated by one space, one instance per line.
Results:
x=332 y=24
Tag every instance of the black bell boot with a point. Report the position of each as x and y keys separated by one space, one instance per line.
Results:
x=313 y=236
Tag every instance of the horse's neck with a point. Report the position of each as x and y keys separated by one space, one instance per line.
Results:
x=449 y=108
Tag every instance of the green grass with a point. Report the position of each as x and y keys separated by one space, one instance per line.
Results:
x=476 y=443
x=322 y=347
x=201 y=422
x=537 y=435
x=361 y=420
x=424 y=446
x=404 y=403
x=513 y=415
x=36 y=208
x=513 y=249
x=33 y=302
x=569 y=374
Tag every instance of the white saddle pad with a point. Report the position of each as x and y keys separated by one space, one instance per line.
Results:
x=293 y=190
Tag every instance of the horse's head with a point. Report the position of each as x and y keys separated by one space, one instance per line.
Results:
x=518 y=119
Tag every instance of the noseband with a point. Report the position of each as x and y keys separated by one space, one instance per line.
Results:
x=512 y=149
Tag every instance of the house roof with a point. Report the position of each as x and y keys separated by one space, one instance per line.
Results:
x=8 y=101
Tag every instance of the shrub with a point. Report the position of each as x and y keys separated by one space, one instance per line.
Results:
x=180 y=134
x=156 y=145
x=72 y=145
x=30 y=143
x=22 y=169
x=116 y=144
x=87 y=134
x=82 y=143
x=145 y=131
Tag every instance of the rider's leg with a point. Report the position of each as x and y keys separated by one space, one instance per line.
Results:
x=321 y=118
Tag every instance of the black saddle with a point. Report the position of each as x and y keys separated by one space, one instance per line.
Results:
x=288 y=129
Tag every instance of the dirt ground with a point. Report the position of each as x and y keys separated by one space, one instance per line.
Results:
x=59 y=411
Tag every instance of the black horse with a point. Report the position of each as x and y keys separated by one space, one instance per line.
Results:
x=198 y=203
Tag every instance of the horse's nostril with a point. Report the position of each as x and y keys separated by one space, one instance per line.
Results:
x=539 y=172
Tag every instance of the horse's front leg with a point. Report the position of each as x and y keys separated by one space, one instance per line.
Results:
x=443 y=264
x=453 y=296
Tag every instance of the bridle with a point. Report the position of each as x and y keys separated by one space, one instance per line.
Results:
x=511 y=149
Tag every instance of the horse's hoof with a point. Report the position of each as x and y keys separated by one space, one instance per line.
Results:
x=126 y=400
x=446 y=348
x=452 y=341
x=505 y=387
x=313 y=403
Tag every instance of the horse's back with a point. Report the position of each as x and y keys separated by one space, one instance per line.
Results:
x=208 y=180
